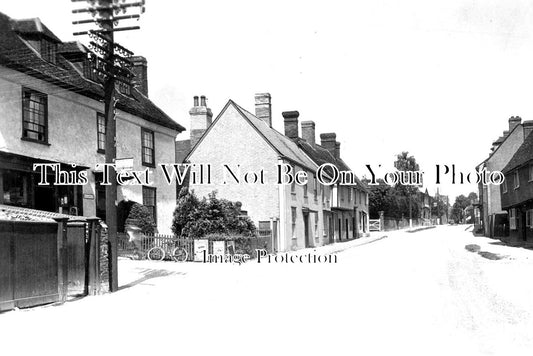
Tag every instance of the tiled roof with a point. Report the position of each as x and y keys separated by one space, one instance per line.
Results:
x=523 y=155
x=71 y=47
x=8 y=212
x=33 y=26
x=321 y=155
x=16 y=54
x=284 y=145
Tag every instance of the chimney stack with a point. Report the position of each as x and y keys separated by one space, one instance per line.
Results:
x=263 y=108
x=329 y=142
x=528 y=127
x=290 y=119
x=337 y=150
x=201 y=118
x=308 y=132
x=140 y=69
x=514 y=121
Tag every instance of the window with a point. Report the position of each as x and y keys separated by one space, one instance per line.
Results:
x=512 y=219
x=530 y=170
x=150 y=201
x=48 y=51
x=293 y=219
x=90 y=70
x=14 y=187
x=504 y=186
x=148 y=147
x=516 y=180
x=123 y=88
x=315 y=187
x=316 y=226
x=100 y=132
x=305 y=190
x=349 y=194
x=34 y=116
x=264 y=226
x=529 y=218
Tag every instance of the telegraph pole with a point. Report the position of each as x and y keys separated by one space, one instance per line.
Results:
x=112 y=64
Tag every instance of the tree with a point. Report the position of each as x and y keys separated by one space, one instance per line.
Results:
x=197 y=218
x=406 y=163
x=140 y=216
x=458 y=208
x=461 y=203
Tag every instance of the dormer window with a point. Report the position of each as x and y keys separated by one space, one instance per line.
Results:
x=48 y=51
x=89 y=69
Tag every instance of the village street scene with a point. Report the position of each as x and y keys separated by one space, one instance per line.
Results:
x=276 y=190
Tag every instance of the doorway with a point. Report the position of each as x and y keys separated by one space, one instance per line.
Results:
x=306 y=230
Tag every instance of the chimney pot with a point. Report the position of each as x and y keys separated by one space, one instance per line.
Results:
x=329 y=142
x=290 y=119
x=201 y=118
x=263 y=107
x=308 y=132
x=337 y=150
x=514 y=121
x=140 y=70
x=528 y=127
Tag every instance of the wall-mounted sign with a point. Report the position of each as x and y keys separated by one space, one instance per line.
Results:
x=123 y=163
x=88 y=196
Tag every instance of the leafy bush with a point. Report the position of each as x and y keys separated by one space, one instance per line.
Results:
x=197 y=218
x=142 y=218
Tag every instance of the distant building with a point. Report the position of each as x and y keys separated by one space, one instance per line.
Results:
x=51 y=101
x=349 y=216
x=493 y=217
x=517 y=190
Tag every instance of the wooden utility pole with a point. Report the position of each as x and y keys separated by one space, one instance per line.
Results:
x=111 y=62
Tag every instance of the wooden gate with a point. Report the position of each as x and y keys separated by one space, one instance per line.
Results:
x=374 y=225
x=77 y=254
x=29 y=264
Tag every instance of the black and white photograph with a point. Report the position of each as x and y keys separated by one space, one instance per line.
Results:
x=260 y=178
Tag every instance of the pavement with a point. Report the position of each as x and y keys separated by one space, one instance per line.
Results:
x=418 y=293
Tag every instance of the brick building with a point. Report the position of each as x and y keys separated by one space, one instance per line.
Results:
x=52 y=112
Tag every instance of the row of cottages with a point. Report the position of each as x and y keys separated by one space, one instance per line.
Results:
x=517 y=190
x=52 y=112
x=493 y=220
x=298 y=215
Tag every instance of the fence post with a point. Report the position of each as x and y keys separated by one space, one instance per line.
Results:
x=92 y=265
x=62 y=258
x=381 y=220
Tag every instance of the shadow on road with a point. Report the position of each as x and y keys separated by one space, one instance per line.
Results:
x=149 y=273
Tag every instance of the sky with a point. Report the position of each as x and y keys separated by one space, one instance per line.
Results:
x=438 y=79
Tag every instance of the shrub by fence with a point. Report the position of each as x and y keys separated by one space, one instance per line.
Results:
x=139 y=247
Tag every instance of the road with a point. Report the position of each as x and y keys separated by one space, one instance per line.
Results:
x=408 y=294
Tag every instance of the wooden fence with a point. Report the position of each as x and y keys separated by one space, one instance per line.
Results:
x=45 y=262
x=138 y=248
x=29 y=264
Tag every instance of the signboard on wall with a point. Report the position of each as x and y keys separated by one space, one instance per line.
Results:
x=219 y=248
x=199 y=247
